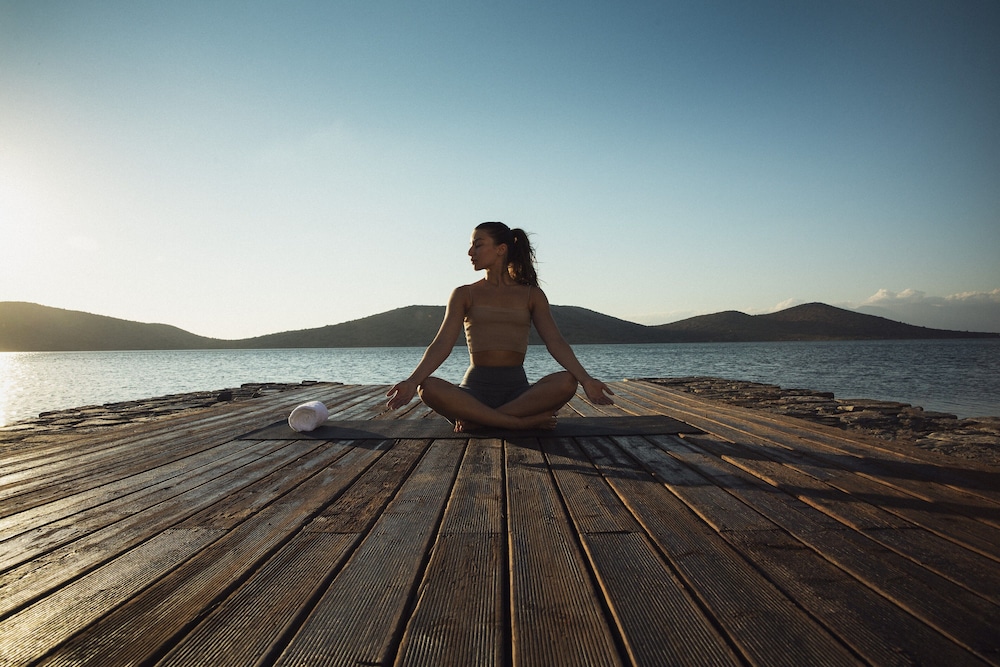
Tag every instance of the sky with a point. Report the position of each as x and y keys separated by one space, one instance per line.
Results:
x=243 y=168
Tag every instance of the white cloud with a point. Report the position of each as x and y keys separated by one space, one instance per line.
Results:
x=992 y=297
x=888 y=296
x=663 y=317
x=784 y=305
x=966 y=311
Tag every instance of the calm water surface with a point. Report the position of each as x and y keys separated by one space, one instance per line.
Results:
x=961 y=377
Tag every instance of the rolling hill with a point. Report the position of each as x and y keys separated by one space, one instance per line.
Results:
x=810 y=321
x=27 y=327
x=415 y=326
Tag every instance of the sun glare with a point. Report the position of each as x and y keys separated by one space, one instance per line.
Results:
x=7 y=363
x=14 y=369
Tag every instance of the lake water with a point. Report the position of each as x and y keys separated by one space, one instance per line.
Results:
x=956 y=376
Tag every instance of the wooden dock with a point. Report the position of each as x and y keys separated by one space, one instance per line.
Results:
x=750 y=540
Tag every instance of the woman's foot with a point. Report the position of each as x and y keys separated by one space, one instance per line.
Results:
x=543 y=422
x=466 y=427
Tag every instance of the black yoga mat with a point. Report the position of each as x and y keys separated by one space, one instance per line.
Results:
x=437 y=428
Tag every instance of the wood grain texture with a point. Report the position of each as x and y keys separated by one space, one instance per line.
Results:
x=741 y=538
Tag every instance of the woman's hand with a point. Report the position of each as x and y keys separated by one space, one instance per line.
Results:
x=400 y=394
x=597 y=392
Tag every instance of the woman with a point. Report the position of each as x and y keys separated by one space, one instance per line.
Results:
x=497 y=313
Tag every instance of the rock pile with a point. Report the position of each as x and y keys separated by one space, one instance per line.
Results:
x=92 y=417
x=976 y=438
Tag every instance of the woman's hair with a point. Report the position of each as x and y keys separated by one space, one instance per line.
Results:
x=520 y=254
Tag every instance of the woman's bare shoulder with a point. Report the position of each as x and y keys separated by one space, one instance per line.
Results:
x=537 y=297
x=461 y=295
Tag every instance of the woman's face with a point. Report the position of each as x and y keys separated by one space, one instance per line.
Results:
x=484 y=252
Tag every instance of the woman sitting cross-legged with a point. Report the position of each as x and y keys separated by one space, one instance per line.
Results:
x=497 y=313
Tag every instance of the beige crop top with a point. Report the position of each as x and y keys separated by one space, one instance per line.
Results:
x=496 y=328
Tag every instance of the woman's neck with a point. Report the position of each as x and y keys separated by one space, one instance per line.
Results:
x=498 y=278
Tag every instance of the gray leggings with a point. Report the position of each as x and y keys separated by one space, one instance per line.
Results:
x=495 y=385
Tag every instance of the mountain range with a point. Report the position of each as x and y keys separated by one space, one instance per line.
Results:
x=28 y=327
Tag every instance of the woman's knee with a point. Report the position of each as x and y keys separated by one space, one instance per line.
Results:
x=429 y=388
x=565 y=382
x=433 y=391
x=571 y=383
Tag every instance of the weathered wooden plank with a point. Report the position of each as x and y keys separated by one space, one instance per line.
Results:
x=225 y=508
x=764 y=624
x=260 y=618
x=551 y=587
x=579 y=406
x=879 y=631
x=965 y=518
x=664 y=628
x=629 y=403
x=361 y=616
x=61 y=551
x=956 y=514
x=477 y=503
x=972 y=522
x=40 y=449
x=126 y=457
x=460 y=617
x=128 y=494
x=874 y=565
x=593 y=505
x=249 y=626
x=943 y=478
x=36 y=630
x=139 y=629
x=895 y=482
x=53 y=482
x=953 y=545
x=86 y=446
x=953 y=611
x=862 y=510
x=132 y=489
x=362 y=504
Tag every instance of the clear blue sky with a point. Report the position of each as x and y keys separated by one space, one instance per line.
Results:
x=241 y=168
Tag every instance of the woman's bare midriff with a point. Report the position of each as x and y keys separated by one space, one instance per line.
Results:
x=497 y=358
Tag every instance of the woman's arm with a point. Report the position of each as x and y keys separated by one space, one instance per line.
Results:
x=436 y=353
x=541 y=316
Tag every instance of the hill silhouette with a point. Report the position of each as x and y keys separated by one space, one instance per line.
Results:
x=810 y=321
x=27 y=327
x=415 y=326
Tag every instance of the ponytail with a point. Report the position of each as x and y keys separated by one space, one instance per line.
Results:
x=522 y=258
x=520 y=254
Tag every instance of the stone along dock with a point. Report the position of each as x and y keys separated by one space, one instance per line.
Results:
x=667 y=529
